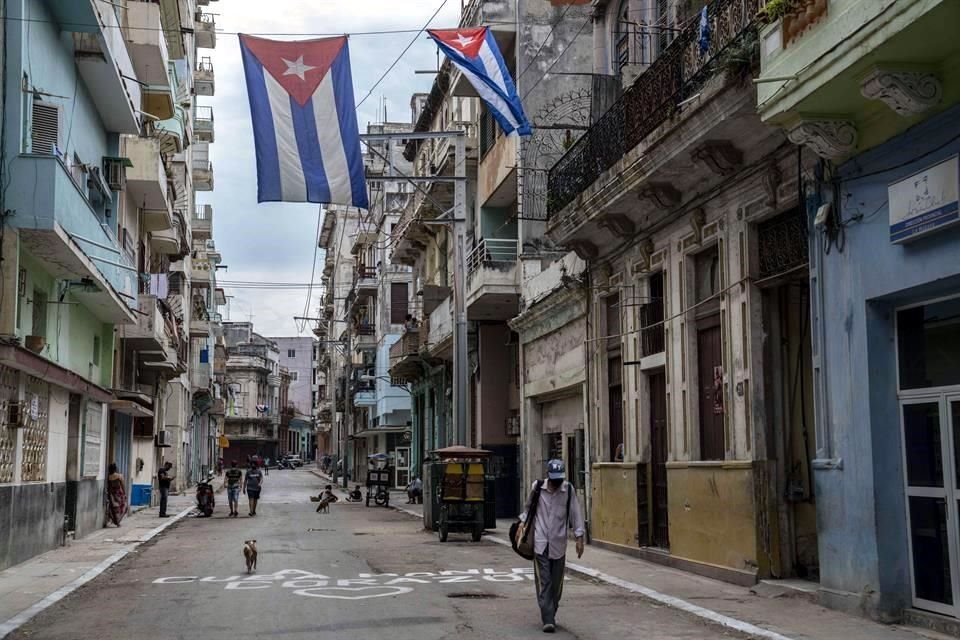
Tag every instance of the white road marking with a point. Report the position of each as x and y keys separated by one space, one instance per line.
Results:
x=661 y=598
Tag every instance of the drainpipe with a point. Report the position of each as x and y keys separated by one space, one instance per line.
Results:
x=587 y=441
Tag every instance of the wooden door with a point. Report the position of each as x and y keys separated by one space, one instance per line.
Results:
x=710 y=377
x=615 y=400
x=658 y=458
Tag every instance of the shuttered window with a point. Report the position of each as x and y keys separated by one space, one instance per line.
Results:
x=45 y=128
x=399 y=303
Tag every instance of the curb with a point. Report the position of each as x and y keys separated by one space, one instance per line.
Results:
x=17 y=621
x=713 y=617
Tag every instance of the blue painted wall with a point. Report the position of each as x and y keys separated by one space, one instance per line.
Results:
x=860 y=508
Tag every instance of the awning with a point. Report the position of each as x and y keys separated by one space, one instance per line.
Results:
x=378 y=430
x=131 y=408
x=461 y=452
x=32 y=364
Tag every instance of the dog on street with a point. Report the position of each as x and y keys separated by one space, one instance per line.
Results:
x=250 y=554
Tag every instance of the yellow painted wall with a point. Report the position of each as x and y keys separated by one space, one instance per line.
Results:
x=614 y=507
x=712 y=510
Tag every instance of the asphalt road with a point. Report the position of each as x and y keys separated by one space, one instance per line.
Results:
x=355 y=573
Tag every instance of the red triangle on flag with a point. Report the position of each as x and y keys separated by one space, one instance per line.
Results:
x=466 y=41
x=299 y=66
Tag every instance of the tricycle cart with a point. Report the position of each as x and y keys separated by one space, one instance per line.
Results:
x=461 y=491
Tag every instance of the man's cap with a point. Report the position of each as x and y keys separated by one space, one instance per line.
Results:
x=556 y=470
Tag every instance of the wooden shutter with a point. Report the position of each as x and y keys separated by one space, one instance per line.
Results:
x=399 y=304
x=45 y=128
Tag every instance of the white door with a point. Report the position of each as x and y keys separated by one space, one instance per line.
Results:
x=931 y=435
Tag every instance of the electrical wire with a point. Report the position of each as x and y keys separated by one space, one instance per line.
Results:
x=321 y=212
x=402 y=53
x=556 y=60
x=545 y=40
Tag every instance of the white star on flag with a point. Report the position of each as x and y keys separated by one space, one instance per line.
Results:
x=296 y=68
x=464 y=41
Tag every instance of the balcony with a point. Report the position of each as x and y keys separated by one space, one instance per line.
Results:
x=205 y=30
x=273 y=380
x=439 y=330
x=219 y=297
x=200 y=326
x=365 y=281
x=147 y=183
x=172 y=132
x=202 y=222
x=60 y=228
x=493 y=285
x=684 y=125
x=150 y=331
x=365 y=337
x=159 y=98
x=202 y=167
x=106 y=68
x=405 y=355
x=867 y=70
x=203 y=78
x=203 y=124
x=146 y=42
x=201 y=272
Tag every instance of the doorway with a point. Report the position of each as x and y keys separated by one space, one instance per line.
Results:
x=710 y=378
x=658 y=458
x=615 y=404
x=402 y=459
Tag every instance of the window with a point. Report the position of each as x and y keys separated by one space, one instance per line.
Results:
x=613 y=321
x=651 y=317
x=294 y=376
x=928 y=345
x=291 y=353
x=45 y=128
x=399 y=304
x=39 y=326
x=488 y=131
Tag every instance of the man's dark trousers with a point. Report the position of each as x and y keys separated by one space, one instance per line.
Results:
x=549 y=579
x=163 y=500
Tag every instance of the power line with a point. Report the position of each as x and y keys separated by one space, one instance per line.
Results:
x=543 y=44
x=402 y=53
x=84 y=26
x=547 y=72
x=321 y=212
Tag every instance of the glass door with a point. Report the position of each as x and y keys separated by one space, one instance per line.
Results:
x=402 y=457
x=931 y=494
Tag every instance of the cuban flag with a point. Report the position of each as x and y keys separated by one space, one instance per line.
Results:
x=476 y=54
x=304 y=121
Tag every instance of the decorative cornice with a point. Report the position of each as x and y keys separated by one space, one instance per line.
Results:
x=908 y=93
x=721 y=157
x=618 y=224
x=550 y=307
x=830 y=139
x=661 y=194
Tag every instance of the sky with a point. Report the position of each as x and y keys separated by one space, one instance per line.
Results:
x=274 y=242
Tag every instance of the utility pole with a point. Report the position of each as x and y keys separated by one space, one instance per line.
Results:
x=347 y=407
x=460 y=294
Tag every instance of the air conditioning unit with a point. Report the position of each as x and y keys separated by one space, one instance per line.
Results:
x=114 y=173
x=163 y=438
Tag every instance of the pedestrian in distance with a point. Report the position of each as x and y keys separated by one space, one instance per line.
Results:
x=557 y=509
x=252 y=482
x=234 y=480
x=116 y=495
x=164 y=477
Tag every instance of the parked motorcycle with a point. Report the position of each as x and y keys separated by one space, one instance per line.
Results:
x=205 y=501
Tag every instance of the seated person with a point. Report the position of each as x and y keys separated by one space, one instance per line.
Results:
x=327 y=497
x=356 y=495
x=415 y=491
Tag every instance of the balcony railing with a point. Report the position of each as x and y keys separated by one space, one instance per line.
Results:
x=651 y=331
x=492 y=251
x=675 y=75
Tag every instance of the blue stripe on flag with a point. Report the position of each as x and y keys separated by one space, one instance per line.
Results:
x=308 y=144
x=264 y=135
x=349 y=134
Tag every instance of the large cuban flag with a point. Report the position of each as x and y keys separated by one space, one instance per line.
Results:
x=475 y=53
x=304 y=121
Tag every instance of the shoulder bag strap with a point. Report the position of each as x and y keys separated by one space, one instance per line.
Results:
x=534 y=501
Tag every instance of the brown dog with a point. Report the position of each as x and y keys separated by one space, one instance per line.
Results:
x=250 y=554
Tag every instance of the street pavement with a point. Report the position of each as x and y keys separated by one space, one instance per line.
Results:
x=356 y=572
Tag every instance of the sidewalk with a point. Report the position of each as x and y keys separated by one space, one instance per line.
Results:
x=30 y=587
x=763 y=611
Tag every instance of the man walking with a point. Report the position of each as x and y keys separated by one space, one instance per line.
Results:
x=234 y=479
x=557 y=508
x=252 y=482
x=163 y=483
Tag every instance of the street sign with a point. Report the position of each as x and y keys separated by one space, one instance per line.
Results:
x=925 y=202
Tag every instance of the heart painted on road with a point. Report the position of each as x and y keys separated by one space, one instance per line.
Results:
x=352 y=593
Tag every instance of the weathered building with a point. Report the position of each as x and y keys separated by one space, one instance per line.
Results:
x=884 y=276
x=253 y=386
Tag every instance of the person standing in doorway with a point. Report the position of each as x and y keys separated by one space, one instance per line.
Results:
x=252 y=482
x=557 y=509
x=234 y=480
x=163 y=484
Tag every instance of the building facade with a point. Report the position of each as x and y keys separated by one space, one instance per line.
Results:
x=252 y=386
x=97 y=323
x=884 y=281
x=298 y=356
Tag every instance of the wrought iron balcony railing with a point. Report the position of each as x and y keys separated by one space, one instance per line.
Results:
x=674 y=76
x=651 y=328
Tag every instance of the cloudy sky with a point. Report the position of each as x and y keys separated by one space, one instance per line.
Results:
x=275 y=242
